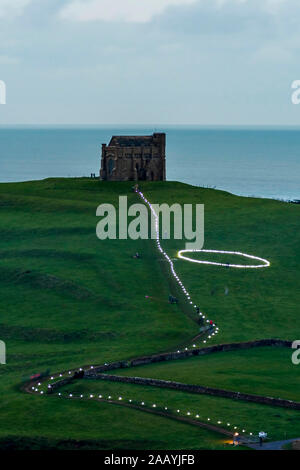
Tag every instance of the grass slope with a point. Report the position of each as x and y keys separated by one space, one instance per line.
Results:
x=68 y=299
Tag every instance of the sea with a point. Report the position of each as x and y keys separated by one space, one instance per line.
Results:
x=260 y=162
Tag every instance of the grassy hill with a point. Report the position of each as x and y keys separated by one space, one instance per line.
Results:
x=69 y=299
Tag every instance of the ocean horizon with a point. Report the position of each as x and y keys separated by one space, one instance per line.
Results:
x=247 y=161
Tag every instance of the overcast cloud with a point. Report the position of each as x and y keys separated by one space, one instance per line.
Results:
x=149 y=61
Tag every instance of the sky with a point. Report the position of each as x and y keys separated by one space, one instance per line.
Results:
x=191 y=62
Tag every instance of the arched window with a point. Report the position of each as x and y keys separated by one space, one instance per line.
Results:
x=111 y=165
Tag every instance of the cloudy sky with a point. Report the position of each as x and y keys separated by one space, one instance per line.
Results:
x=204 y=62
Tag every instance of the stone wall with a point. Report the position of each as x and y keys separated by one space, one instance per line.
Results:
x=97 y=372
x=185 y=354
x=100 y=373
x=60 y=383
x=199 y=389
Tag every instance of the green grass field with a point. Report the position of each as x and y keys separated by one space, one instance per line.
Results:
x=69 y=299
x=263 y=371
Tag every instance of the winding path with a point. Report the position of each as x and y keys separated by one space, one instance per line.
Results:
x=56 y=381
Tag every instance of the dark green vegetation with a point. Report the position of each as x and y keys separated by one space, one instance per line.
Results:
x=68 y=299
